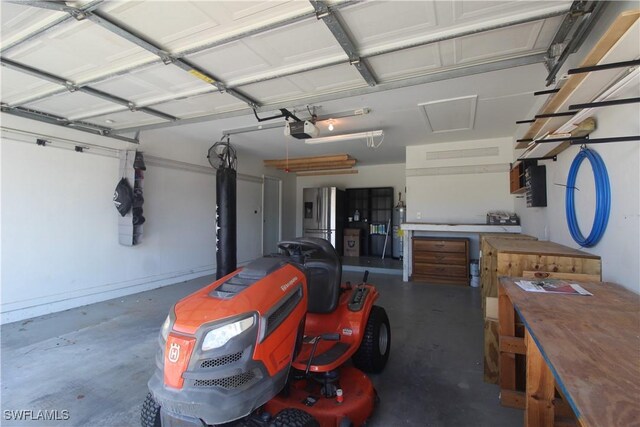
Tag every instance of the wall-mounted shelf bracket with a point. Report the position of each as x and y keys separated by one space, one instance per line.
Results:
x=600 y=67
x=529 y=159
x=587 y=141
x=561 y=114
x=546 y=92
x=604 y=103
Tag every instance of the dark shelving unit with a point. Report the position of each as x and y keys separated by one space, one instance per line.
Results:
x=375 y=206
x=536 y=185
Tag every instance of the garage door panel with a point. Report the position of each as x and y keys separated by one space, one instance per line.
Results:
x=209 y=103
x=16 y=84
x=152 y=83
x=71 y=104
x=79 y=51
x=178 y=26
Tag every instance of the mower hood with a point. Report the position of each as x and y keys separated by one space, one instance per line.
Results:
x=245 y=291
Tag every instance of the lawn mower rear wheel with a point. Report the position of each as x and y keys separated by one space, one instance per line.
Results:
x=373 y=353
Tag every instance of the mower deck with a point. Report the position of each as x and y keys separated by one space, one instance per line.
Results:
x=358 y=399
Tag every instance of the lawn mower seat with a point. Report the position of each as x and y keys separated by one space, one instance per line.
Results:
x=324 y=273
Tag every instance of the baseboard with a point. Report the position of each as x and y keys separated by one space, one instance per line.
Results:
x=27 y=309
x=377 y=270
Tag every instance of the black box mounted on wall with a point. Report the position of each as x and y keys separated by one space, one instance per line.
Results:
x=536 y=183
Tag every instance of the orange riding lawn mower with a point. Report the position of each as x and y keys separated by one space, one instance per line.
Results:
x=270 y=345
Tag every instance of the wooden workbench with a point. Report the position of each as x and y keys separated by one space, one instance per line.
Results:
x=513 y=258
x=588 y=347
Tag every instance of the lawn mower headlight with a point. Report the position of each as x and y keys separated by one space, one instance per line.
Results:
x=220 y=336
x=166 y=327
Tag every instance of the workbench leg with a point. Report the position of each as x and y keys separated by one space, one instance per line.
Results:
x=540 y=388
x=507 y=360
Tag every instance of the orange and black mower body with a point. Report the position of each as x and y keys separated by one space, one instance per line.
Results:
x=283 y=322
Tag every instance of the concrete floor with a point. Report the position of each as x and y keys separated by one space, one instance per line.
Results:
x=95 y=361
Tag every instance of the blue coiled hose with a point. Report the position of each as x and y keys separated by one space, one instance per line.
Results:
x=603 y=198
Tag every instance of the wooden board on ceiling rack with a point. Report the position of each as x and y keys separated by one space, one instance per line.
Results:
x=328 y=172
x=543 y=149
x=333 y=163
x=320 y=168
x=313 y=159
x=325 y=165
x=577 y=88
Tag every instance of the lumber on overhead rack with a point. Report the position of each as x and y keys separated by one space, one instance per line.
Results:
x=314 y=159
x=326 y=165
x=313 y=164
x=318 y=168
x=330 y=172
x=617 y=29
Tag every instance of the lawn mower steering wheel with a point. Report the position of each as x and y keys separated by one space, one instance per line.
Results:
x=297 y=248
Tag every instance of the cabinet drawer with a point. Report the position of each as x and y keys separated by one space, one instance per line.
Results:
x=451 y=258
x=439 y=245
x=425 y=269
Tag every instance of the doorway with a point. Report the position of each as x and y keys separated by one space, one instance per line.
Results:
x=271 y=214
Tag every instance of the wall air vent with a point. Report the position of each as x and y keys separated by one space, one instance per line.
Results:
x=458 y=170
x=463 y=153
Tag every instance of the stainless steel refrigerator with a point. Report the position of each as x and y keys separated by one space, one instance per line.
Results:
x=323 y=214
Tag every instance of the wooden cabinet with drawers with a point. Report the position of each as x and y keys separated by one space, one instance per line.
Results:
x=441 y=260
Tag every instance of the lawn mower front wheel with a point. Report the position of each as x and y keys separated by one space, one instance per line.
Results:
x=150 y=415
x=373 y=353
x=292 y=417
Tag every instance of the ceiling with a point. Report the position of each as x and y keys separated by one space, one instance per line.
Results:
x=428 y=71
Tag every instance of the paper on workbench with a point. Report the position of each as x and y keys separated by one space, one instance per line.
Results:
x=553 y=287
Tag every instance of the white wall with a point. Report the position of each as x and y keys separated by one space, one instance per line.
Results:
x=391 y=175
x=458 y=182
x=458 y=190
x=59 y=241
x=252 y=165
x=620 y=245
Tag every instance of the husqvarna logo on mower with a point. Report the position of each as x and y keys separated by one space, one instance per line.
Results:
x=288 y=284
x=174 y=353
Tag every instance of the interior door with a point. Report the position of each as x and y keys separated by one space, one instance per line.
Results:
x=271 y=202
x=249 y=220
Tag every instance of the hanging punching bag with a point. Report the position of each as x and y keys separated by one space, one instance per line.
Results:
x=222 y=156
x=225 y=222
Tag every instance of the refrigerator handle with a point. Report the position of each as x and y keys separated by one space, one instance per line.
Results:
x=318 y=210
